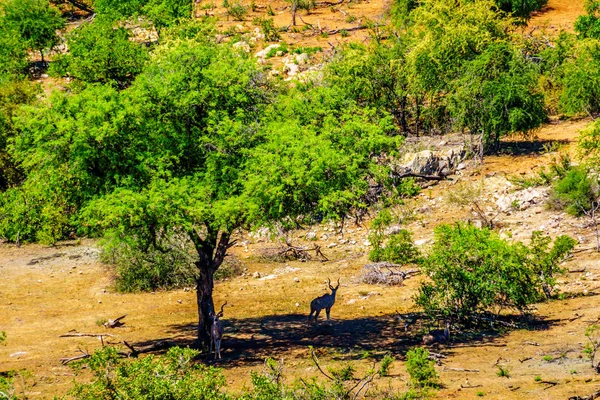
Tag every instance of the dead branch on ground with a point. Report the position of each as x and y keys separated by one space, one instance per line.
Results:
x=386 y=273
x=115 y=323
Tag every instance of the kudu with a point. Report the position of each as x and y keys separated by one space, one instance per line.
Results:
x=437 y=336
x=216 y=332
x=324 y=302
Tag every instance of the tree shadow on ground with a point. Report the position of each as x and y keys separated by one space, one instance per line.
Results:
x=518 y=147
x=248 y=341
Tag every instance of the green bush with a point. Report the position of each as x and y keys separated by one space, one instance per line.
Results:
x=574 y=192
x=99 y=52
x=474 y=271
x=398 y=247
x=140 y=267
x=421 y=369
x=172 y=376
x=238 y=11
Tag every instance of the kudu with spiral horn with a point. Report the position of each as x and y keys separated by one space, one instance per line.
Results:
x=324 y=302
x=216 y=332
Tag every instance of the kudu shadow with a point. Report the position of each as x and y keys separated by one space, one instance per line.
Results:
x=248 y=341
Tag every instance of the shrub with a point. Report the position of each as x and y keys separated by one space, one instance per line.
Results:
x=386 y=364
x=268 y=28
x=99 y=52
x=173 y=376
x=166 y=265
x=575 y=192
x=421 y=369
x=238 y=11
x=399 y=249
x=474 y=271
x=503 y=372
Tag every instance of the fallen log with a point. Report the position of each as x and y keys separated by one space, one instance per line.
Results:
x=66 y=360
x=593 y=396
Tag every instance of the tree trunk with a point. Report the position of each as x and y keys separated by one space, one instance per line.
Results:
x=210 y=257
x=204 y=298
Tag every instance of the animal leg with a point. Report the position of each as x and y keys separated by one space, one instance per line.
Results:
x=327 y=311
x=310 y=315
x=218 y=345
x=317 y=315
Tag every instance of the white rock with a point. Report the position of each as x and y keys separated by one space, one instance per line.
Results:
x=256 y=274
x=297 y=304
x=291 y=69
x=311 y=236
x=296 y=279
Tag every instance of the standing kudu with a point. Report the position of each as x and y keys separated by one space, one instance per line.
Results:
x=216 y=332
x=324 y=302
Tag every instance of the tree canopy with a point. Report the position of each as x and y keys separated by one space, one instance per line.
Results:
x=35 y=21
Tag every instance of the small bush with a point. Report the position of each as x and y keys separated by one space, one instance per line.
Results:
x=386 y=364
x=398 y=247
x=503 y=372
x=575 y=192
x=537 y=378
x=167 y=265
x=267 y=27
x=421 y=369
x=344 y=33
x=172 y=376
x=238 y=11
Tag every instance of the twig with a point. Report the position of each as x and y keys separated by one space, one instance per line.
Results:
x=460 y=369
x=316 y=361
x=522 y=360
x=531 y=343
x=470 y=386
x=87 y=335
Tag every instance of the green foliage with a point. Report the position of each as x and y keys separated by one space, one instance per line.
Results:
x=502 y=372
x=547 y=358
x=99 y=52
x=581 y=79
x=537 y=378
x=173 y=376
x=268 y=28
x=497 y=95
x=588 y=26
x=167 y=264
x=13 y=53
x=520 y=8
x=400 y=11
x=162 y=13
x=283 y=48
x=13 y=93
x=421 y=369
x=35 y=21
x=238 y=11
x=592 y=333
x=386 y=364
x=7 y=386
x=473 y=271
x=575 y=192
x=3 y=338
x=589 y=143
x=399 y=248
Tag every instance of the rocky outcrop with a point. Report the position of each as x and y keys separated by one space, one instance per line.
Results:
x=431 y=163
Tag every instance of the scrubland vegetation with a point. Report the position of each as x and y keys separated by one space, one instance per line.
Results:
x=167 y=148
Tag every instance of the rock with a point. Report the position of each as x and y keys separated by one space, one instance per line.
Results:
x=179 y=301
x=291 y=69
x=297 y=304
x=256 y=274
x=311 y=236
x=263 y=52
x=18 y=354
x=330 y=245
x=302 y=59
x=241 y=45
x=392 y=230
x=296 y=279
x=421 y=242
x=324 y=237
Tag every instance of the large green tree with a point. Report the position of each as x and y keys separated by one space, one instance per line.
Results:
x=196 y=148
x=35 y=21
